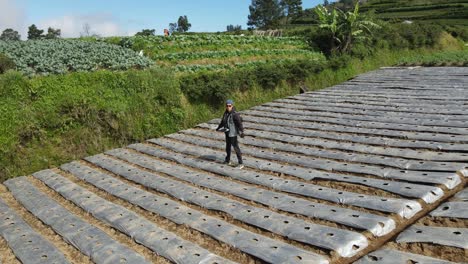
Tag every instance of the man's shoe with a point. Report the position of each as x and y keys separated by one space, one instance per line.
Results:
x=240 y=166
x=227 y=163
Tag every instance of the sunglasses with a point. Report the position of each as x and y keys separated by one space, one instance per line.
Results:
x=228 y=105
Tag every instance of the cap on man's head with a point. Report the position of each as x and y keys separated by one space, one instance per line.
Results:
x=229 y=101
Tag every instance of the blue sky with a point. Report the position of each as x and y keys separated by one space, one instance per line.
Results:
x=121 y=17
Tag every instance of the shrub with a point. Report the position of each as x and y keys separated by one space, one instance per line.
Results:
x=268 y=76
x=205 y=86
x=447 y=42
x=320 y=40
x=416 y=35
x=212 y=87
x=460 y=32
x=339 y=61
x=361 y=51
x=299 y=70
x=6 y=64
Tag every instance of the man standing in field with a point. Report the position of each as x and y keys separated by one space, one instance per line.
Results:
x=231 y=125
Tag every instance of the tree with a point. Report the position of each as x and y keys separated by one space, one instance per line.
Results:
x=291 y=8
x=182 y=24
x=232 y=28
x=53 y=33
x=265 y=14
x=345 y=28
x=86 y=30
x=329 y=22
x=172 y=27
x=146 y=32
x=345 y=5
x=326 y=3
x=34 y=32
x=10 y=35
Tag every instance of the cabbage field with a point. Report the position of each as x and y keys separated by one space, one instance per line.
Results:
x=67 y=55
x=180 y=53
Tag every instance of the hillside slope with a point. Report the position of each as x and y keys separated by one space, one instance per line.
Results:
x=444 y=11
x=375 y=163
x=447 y=12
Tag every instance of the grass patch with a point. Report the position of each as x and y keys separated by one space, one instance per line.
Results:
x=355 y=66
x=49 y=120
x=444 y=58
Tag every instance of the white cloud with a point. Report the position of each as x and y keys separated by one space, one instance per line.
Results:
x=11 y=15
x=73 y=25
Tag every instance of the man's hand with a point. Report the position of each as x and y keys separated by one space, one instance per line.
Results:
x=242 y=135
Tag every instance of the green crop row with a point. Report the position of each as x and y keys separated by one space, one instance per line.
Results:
x=424 y=7
x=157 y=45
x=208 y=38
x=446 y=58
x=61 y=56
x=231 y=53
x=319 y=58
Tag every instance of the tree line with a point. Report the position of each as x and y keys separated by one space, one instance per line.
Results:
x=339 y=25
x=182 y=25
x=269 y=14
x=10 y=34
x=34 y=33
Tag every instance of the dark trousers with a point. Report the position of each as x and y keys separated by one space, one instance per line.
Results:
x=232 y=141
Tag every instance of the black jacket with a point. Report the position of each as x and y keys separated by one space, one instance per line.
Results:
x=237 y=120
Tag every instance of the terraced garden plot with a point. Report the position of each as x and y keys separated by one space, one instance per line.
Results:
x=217 y=52
x=371 y=170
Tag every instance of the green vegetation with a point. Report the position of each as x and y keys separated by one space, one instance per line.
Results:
x=217 y=52
x=192 y=68
x=6 y=64
x=345 y=67
x=81 y=108
x=268 y=14
x=159 y=45
x=452 y=14
x=213 y=87
x=444 y=58
x=146 y=32
x=35 y=33
x=399 y=10
x=48 y=120
x=346 y=28
x=182 y=24
x=67 y=117
x=61 y=56
x=10 y=35
x=182 y=56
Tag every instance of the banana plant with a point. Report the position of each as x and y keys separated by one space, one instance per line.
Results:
x=355 y=27
x=345 y=27
x=329 y=21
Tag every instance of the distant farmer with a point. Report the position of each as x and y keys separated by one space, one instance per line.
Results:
x=231 y=125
